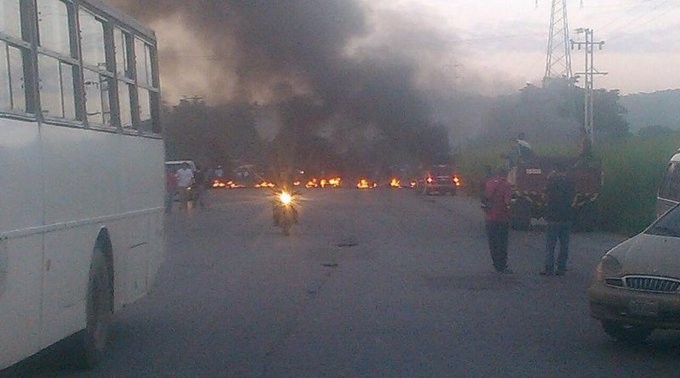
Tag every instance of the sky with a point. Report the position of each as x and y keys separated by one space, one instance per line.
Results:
x=642 y=38
x=489 y=47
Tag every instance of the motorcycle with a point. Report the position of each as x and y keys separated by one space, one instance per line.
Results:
x=284 y=212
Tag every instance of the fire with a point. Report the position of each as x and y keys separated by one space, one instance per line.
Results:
x=265 y=184
x=324 y=182
x=365 y=184
x=395 y=183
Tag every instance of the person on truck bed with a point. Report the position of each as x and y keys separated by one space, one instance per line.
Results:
x=521 y=151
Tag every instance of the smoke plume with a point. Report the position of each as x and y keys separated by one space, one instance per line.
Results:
x=318 y=63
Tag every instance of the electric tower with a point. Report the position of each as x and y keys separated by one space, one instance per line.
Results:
x=558 y=58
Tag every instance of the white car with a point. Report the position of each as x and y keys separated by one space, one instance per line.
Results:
x=637 y=283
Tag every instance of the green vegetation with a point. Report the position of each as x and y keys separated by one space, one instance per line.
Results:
x=632 y=170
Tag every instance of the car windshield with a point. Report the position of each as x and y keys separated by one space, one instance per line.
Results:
x=667 y=225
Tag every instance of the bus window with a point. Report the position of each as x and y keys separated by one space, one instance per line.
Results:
x=57 y=95
x=143 y=68
x=10 y=17
x=12 y=88
x=53 y=26
x=12 y=91
x=120 y=44
x=97 y=98
x=144 y=110
x=92 y=41
x=124 y=105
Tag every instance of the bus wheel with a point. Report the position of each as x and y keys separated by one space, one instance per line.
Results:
x=99 y=310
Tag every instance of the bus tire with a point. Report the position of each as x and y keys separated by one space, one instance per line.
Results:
x=92 y=341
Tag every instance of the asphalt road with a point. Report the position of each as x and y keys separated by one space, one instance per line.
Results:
x=370 y=283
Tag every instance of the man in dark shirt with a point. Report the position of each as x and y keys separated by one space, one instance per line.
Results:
x=559 y=213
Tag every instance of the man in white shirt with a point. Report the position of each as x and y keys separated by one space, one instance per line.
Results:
x=185 y=178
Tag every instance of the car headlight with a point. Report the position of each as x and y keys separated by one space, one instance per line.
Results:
x=609 y=266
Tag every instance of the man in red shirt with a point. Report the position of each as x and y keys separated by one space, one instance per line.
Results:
x=498 y=194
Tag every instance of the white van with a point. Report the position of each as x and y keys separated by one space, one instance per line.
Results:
x=669 y=190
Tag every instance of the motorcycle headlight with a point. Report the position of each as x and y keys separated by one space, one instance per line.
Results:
x=609 y=266
x=285 y=198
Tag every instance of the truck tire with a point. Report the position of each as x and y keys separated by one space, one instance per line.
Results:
x=92 y=341
x=520 y=215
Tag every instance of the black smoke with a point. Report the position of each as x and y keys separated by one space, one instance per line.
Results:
x=297 y=57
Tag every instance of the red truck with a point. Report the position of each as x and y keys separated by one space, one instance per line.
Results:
x=529 y=179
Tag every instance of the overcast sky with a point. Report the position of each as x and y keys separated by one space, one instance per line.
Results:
x=489 y=47
x=642 y=38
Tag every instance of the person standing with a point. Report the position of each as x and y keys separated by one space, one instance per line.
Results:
x=559 y=214
x=185 y=178
x=498 y=193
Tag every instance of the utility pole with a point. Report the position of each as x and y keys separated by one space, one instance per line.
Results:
x=589 y=74
x=558 y=56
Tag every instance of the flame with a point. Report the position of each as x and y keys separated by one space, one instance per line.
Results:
x=265 y=184
x=365 y=184
x=395 y=183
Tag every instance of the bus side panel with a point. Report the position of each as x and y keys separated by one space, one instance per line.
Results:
x=144 y=184
x=142 y=172
x=81 y=175
x=67 y=266
x=20 y=178
x=20 y=254
x=20 y=285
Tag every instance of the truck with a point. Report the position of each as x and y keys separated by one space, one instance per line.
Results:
x=530 y=177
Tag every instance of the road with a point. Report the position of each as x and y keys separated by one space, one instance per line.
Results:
x=370 y=283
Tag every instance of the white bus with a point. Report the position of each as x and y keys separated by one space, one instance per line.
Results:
x=81 y=172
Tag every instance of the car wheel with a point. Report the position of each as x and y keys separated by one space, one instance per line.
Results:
x=93 y=339
x=626 y=332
